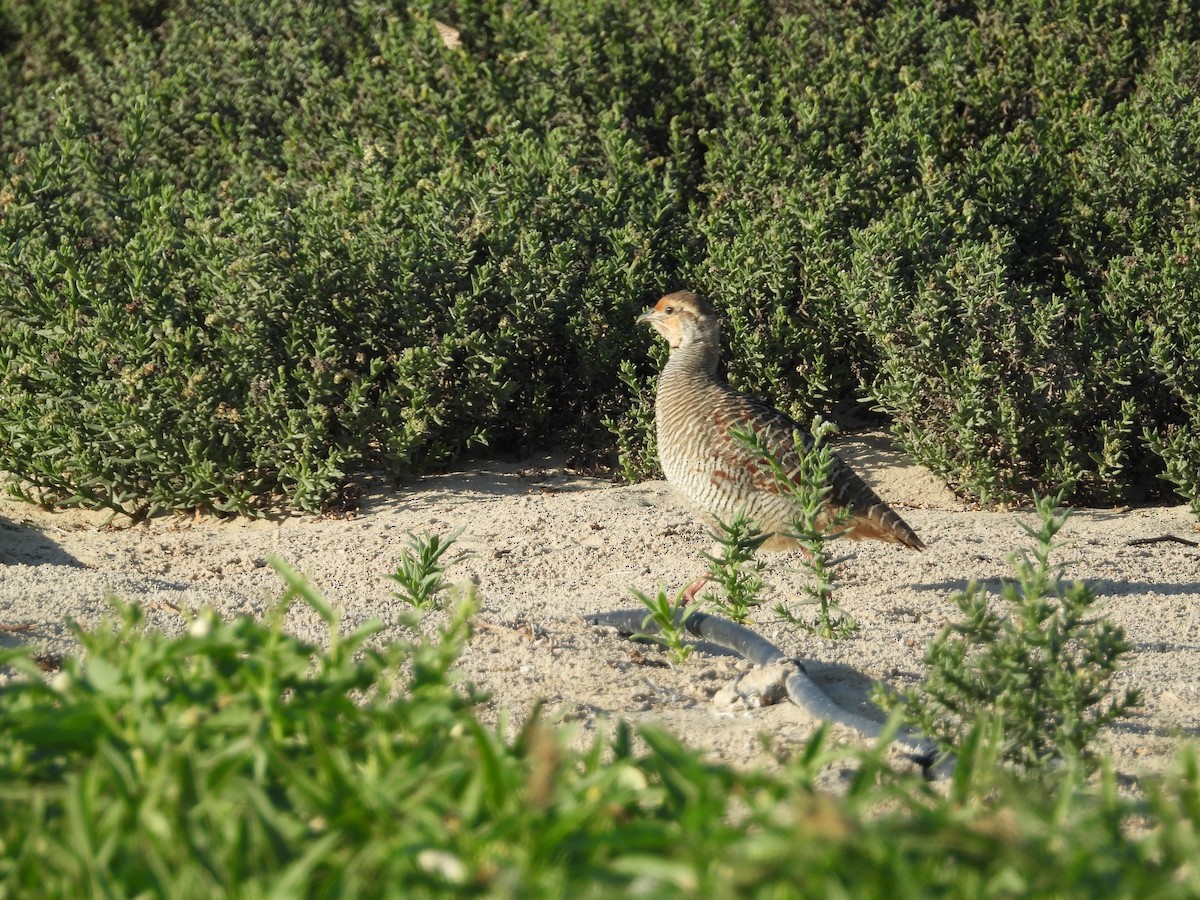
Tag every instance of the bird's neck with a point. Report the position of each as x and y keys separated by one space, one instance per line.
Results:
x=695 y=360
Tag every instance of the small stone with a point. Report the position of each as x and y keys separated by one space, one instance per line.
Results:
x=765 y=685
x=727 y=697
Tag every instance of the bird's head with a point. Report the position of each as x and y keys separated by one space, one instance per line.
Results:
x=684 y=319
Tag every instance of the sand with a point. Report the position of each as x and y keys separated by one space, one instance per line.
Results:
x=549 y=547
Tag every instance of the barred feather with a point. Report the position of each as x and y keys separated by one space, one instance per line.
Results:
x=696 y=414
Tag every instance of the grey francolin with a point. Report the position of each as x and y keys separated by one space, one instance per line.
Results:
x=694 y=411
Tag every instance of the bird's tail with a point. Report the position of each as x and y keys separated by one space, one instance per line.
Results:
x=881 y=523
x=870 y=517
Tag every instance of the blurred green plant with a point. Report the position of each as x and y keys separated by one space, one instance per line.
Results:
x=236 y=758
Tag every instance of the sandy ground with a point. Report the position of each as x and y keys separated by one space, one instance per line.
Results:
x=550 y=547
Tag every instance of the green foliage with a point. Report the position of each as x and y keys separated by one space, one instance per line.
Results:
x=814 y=525
x=1004 y=291
x=235 y=759
x=634 y=432
x=277 y=259
x=231 y=756
x=421 y=569
x=1165 y=278
x=669 y=617
x=251 y=246
x=736 y=569
x=1042 y=671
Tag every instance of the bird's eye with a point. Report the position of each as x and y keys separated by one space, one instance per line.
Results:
x=669 y=310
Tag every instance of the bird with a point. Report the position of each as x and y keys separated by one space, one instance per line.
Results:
x=696 y=415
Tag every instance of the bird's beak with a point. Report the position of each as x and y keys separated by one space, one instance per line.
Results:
x=649 y=317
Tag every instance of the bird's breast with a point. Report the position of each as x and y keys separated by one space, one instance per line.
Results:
x=699 y=460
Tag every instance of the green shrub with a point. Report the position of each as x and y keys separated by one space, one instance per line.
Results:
x=735 y=569
x=669 y=618
x=175 y=347
x=815 y=523
x=420 y=570
x=1013 y=344
x=1039 y=671
x=253 y=246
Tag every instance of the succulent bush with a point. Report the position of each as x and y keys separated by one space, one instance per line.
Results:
x=1006 y=298
x=1039 y=669
x=421 y=568
x=735 y=569
x=250 y=247
x=186 y=329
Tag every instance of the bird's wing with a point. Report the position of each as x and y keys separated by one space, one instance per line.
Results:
x=869 y=515
x=737 y=412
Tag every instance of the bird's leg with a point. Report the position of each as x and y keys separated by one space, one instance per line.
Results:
x=689 y=594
